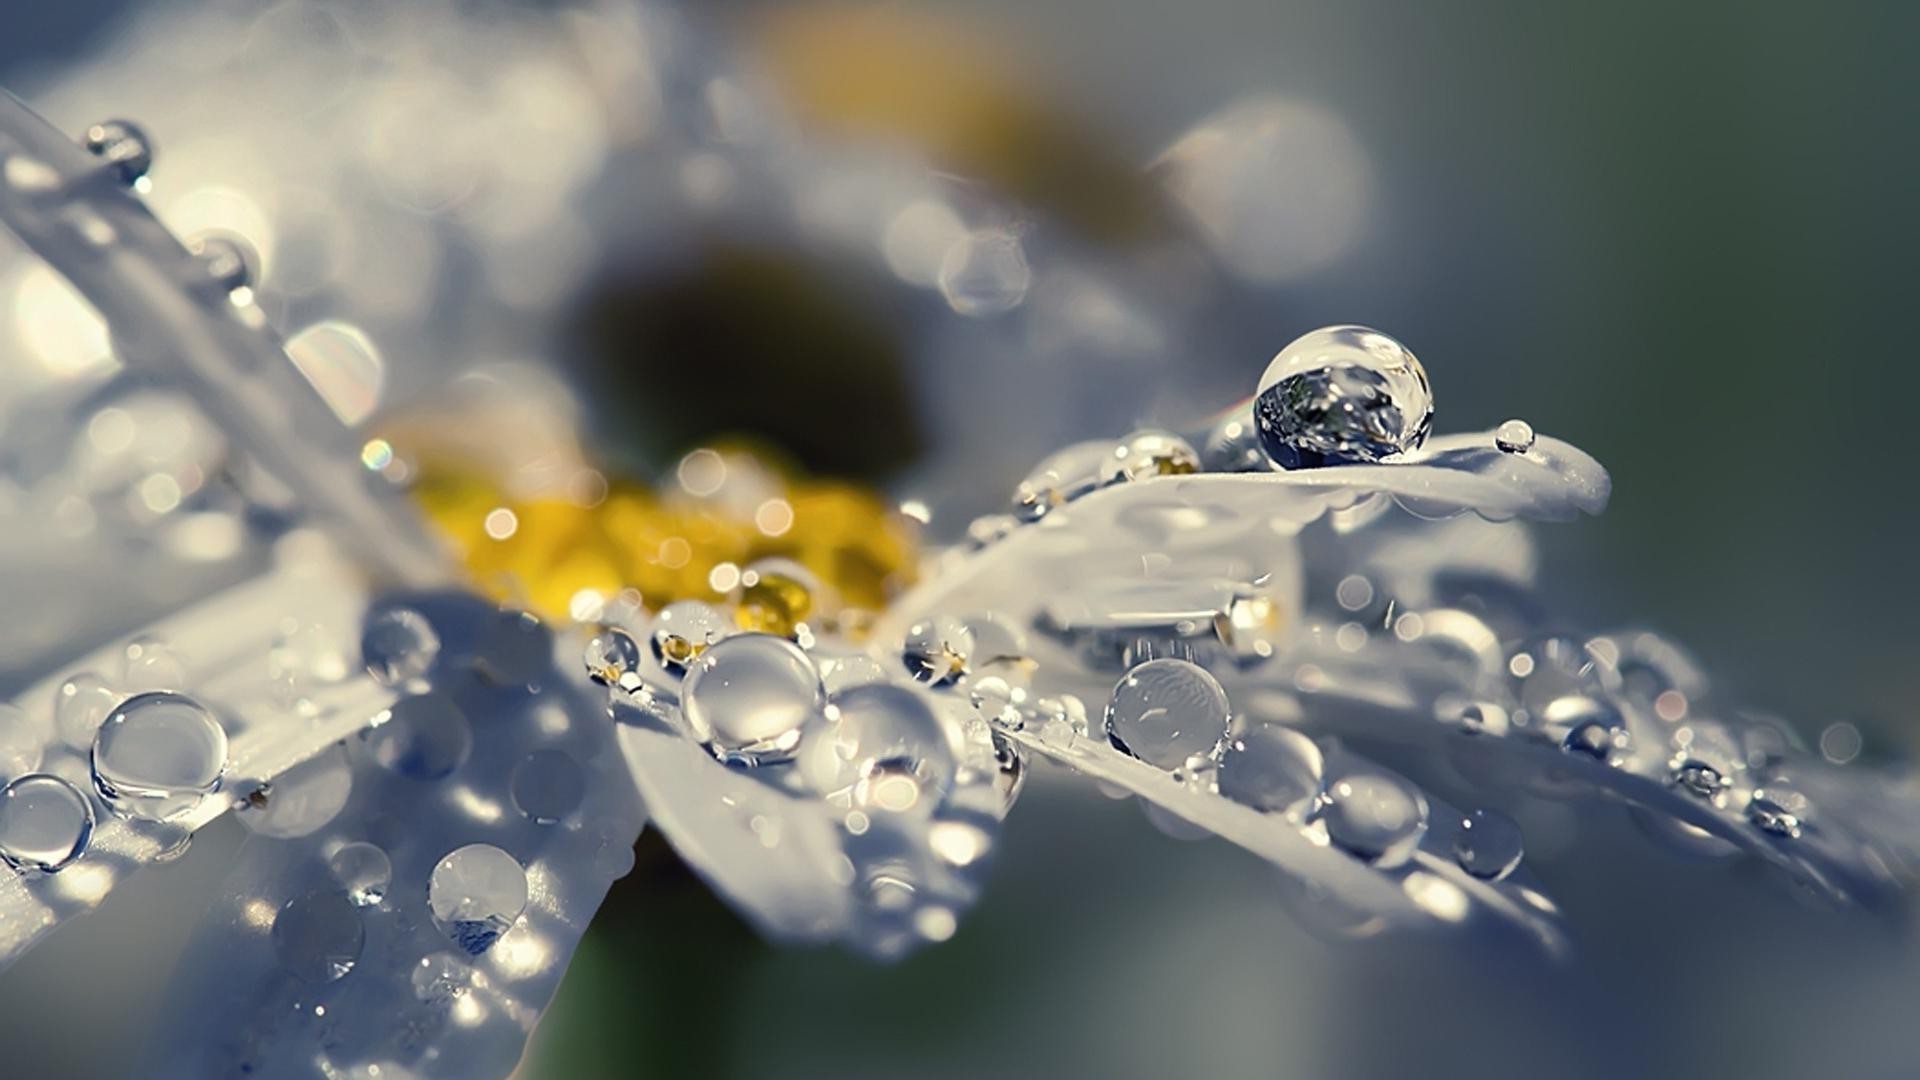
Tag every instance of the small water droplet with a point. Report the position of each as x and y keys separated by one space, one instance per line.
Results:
x=1514 y=437
x=426 y=737
x=612 y=656
x=398 y=645
x=228 y=261
x=475 y=894
x=748 y=697
x=318 y=937
x=1150 y=453
x=364 y=871
x=1489 y=845
x=986 y=273
x=548 y=785
x=1375 y=816
x=123 y=145
x=776 y=597
x=1778 y=809
x=1593 y=728
x=1342 y=395
x=684 y=630
x=937 y=650
x=440 y=978
x=884 y=748
x=1165 y=711
x=1065 y=475
x=45 y=823
x=1273 y=769
x=157 y=755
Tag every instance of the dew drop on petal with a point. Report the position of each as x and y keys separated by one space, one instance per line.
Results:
x=475 y=894
x=548 y=785
x=1377 y=817
x=1273 y=769
x=1342 y=395
x=45 y=823
x=157 y=754
x=885 y=748
x=398 y=645
x=1489 y=845
x=318 y=937
x=363 y=870
x=1165 y=711
x=1778 y=809
x=747 y=698
x=684 y=630
x=1514 y=437
x=427 y=737
x=937 y=650
x=611 y=656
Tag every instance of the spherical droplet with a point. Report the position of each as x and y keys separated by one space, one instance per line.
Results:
x=986 y=273
x=157 y=754
x=364 y=871
x=684 y=630
x=1593 y=727
x=398 y=645
x=1778 y=809
x=1514 y=437
x=318 y=937
x=883 y=747
x=776 y=597
x=228 y=261
x=80 y=706
x=427 y=737
x=1273 y=769
x=548 y=785
x=1377 y=817
x=1165 y=711
x=45 y=823
x=748 y=697
x=612 y=656
x=1065 y=475
x=475 y=893
x=123 y=145
x=1489 y=845
x=1151 y=453
x=937 y=650
x=440 y=978
x=1341 y=395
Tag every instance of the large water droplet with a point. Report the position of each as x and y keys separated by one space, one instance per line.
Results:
x=363 y=870
x=427 y=737
x=157 y=754
x=1489 y=845
x=747 y=698
x=398 y=645
x=548 y=785
x=475 y=893
x=1274 y=769
x=937 y=650
x=684 y=630
x=1165 y=711
x=318 y=936
x=45 y=823
x=884 y=747
x=1377 y=817
x=123 y=145
x=1341 y=395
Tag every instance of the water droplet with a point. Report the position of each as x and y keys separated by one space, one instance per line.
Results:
x=1594 y=728
x=123 y=145
x=1699 y=777
x=1165 y=711
x=1778 y=809
x=1489 y=845
x=937 y=649
x=1561 y=683
x=999 y=650
x=1065 y=475
x=426 y=737
x=1252 y=624
x=985 y=274
x=45 y=823
x=1477 y=717
x=684 y=630
x=1342 y=395
x=157 y=754
x=884 y=747
x=1273 y=769
x=475 y=893
x=440 y=978
x=21 y=741
x=228 y=261
x=776 y=597
x=748 y=697
x=1704 y=760
x=1150 y=453
x=80 y=706
x=318 y=937
x=364 y=871
x=1233 y=446
x=1514 y=437
x=1375 y=816
x=398 y=646
x=612 y=656
x=548 y=785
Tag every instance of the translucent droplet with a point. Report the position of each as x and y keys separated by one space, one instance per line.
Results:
x=776 y=597
x=229 y=262
x=985 y=273
x=883 y=747
x=1273 y=769
x=548 y=785
x=475 y=894
x=1342 y=395
x=1778 y=809
x=426 y=737
x=440 y=978
x=80 y=706
x=1233 y=446
x=937 y=650
x=45 y=823
x=1561 y=682
x=148 y=664
x=1593 y=728
x=364 y=871
x=157 y=755
x=1377 y=817
x=398 y=645
x=1704 y=760
x=1514 y=437
x=343 y=366
x=748 y=697
x=318 y=937
x=1252 y=624
x=684 y=630
x=612 y=655
x=1064 y=476
x=1165 y=711
x=1151 y=453
x=1489 y=845
x=123 y=145
x=22 y=738
x=1477 y=718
